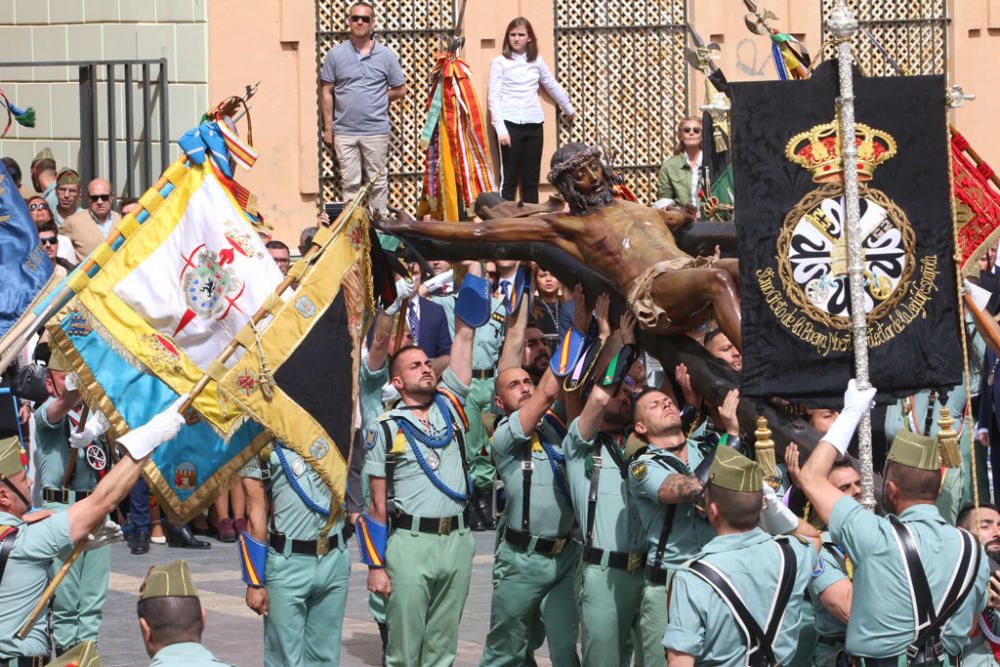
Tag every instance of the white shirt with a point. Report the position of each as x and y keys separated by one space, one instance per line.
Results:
x=513 y=92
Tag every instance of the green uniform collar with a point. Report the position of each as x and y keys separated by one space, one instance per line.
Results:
x=736 y=541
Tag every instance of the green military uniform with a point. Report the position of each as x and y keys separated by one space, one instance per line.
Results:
x=174 y=580
x=982 y=651
x=882 y=625
x=702 y=623
x=536 y=559
x=614 y=548
x=673 y=181
x=78 y=604
x=306 y=578
x=370 y=396
x=35 y=546
x=688 y=533
x=831 y=567
x=430 y=550
x=956 y=487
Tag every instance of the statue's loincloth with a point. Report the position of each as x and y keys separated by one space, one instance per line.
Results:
x=640 y=296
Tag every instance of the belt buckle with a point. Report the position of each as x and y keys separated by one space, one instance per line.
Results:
x=444 y=525
x=322 y=546
x=634 y=562
x=558 y=545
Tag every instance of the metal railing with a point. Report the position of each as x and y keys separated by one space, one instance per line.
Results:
x=120 y=77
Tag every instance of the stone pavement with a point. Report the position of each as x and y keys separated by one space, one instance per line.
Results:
x=234 y=633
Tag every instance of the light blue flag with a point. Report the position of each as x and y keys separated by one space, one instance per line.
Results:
x=25 y=269
x=187 y=472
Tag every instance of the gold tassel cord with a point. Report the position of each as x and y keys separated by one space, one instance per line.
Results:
x=764 y=449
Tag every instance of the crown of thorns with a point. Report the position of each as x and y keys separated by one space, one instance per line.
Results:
x=573 y=162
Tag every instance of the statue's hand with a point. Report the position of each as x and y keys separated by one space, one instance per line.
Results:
x=400 y=223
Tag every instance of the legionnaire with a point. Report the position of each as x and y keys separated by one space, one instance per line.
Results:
x=294 y=558
x=930 y=577
x=420 y=485
x=739 y=601
x=69 y=474
x=29 y=544
x=536 y=558
x=171 y=618
x=662 y=485
x=830 y=588
x=983 y=649
x=614 y=550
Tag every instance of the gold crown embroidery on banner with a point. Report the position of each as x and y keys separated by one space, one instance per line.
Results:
x=818 y=151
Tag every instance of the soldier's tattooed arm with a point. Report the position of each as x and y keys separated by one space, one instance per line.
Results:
x=678 y=488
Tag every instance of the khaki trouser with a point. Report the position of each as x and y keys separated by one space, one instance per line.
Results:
x=355 y=153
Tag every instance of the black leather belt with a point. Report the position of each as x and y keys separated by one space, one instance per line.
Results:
x=29 y=661
x=64 y=496
x=656 y=575
x=894 y=661
x=830 y=641
x=546 y=546
x=483 y=373
x=431 y=525
x=318 y=547
x=620 y=560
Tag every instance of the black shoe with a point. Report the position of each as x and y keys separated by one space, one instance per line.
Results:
x=140 y=543
x=182 y=537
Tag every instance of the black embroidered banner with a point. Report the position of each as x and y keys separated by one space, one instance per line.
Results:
x=792 y=238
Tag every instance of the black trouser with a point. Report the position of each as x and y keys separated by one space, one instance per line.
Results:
x=520 y=163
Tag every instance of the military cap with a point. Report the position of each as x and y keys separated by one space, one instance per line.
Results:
x=67 y=177
x=731 y=470
x=11 y=462
x=172 y=580
x=83 y=654
x=57 y=362
x=915 y=450
x=44 y=154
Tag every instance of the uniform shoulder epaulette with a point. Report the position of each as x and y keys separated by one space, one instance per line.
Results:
x=35 y=517
x=384 y=416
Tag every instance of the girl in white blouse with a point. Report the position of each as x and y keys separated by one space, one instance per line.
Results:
x=517 y=112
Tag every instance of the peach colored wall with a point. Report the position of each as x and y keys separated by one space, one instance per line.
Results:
x=274 y=41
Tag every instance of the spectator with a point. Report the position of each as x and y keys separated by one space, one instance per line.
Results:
x=677 y=181
x=39 y=210
x=67 y=196
x=88 y=228
x=280 y=254
x=128 y=205
x=517 y=112
x=360 y=77
x=14 y=169
x=43 y=172
x=553 y=310
x=49 y=238
x=428 y=324
x=305 y=240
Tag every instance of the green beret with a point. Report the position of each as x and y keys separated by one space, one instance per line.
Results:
x=10 y=457
x=915 y=450
x=172 y=580
x=67 y=177
x=83 y=654
x=731 y=470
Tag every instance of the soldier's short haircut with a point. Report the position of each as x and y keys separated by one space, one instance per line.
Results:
x=740 y=509
x=914 y=483
x=393 y=367
x=172 y=619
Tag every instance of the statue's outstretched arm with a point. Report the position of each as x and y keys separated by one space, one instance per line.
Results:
x=533 y=228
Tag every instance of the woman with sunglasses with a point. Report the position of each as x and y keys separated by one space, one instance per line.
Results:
x=677 y=182
x=39 y=210
x=515 y=77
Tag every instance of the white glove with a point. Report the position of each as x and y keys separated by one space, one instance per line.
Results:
x=95 y=427
x=404 y=289
x=775 y=518
x=107 y=534
x=439 y=281
x=856 y=404
x=72 y=382
x=140 y=442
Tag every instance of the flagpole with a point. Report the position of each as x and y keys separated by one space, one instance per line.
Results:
x=843 y=25
x=21 y=333
x=314 y=249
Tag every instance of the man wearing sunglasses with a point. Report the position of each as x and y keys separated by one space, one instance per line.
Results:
x=89 y=227
x=359 y=79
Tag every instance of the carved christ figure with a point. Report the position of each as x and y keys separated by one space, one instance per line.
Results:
x=629 y=244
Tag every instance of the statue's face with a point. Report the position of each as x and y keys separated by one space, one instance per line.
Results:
x=588 y=178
